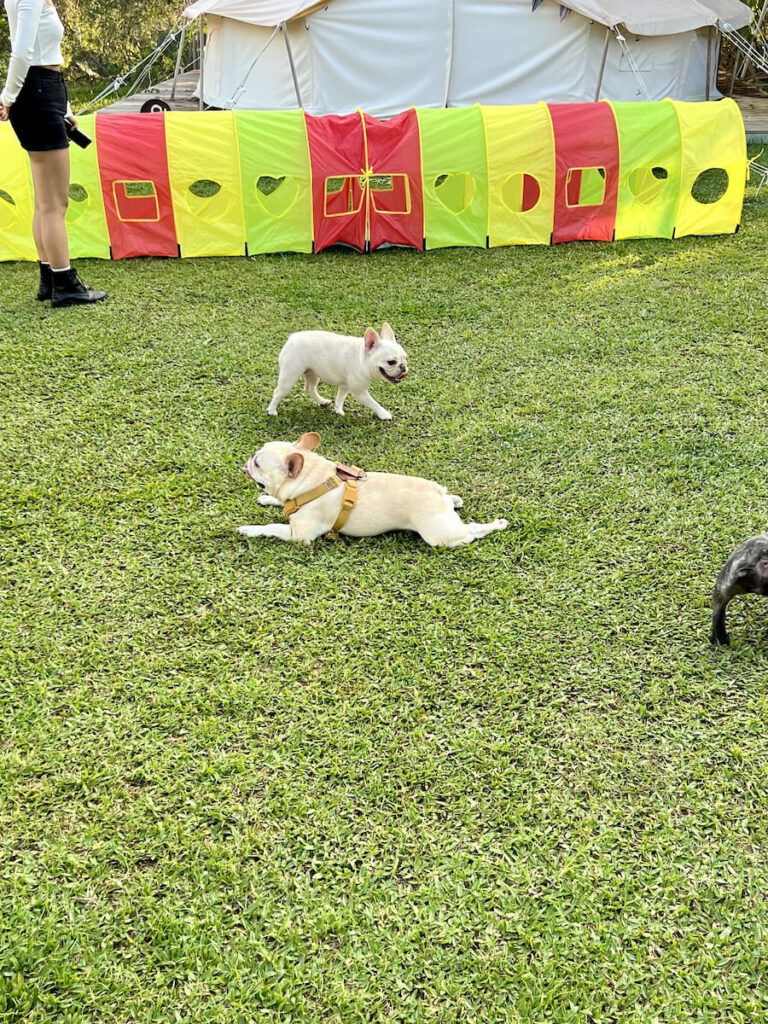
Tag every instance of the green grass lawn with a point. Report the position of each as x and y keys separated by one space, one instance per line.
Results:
x=367 y=780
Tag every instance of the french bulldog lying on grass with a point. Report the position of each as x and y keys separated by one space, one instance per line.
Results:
x=290 y=473
x=351 y=364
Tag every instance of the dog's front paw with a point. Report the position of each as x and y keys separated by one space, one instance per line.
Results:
x=339 y=412
x=248 y=531
x=271 y=411
x=500 y=524
x=384 y=415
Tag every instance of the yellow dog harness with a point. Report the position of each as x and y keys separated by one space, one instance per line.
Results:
x=348 y=499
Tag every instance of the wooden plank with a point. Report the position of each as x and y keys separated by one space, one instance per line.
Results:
x=183 y=100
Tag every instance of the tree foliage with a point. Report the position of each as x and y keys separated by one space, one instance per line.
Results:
x=105 y=39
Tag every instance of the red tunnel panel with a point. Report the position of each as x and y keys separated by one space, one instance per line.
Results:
x=586 y=171
x=396 y=196
x=134 y=181
x=337 y=156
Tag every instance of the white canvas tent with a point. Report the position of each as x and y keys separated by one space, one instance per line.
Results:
x=384 y=56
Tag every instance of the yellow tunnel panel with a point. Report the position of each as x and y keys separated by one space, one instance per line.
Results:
x=204 y=172
x=714 y=167
x=521 y=174
x=86 y=222
x=16 y=199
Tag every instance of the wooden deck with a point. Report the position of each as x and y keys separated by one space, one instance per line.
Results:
x=183 y=100
x=754 y=108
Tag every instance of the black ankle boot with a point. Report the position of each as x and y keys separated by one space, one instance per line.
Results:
x=69 y=290
x=46 y=282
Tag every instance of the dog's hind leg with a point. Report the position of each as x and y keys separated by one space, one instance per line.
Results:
x=449 y=531
x=280 y=530
x=719 y=633
x=285 y=382
x=310 y=386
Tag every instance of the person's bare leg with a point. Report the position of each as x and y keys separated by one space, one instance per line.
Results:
x=38 y=235
x=50 y=174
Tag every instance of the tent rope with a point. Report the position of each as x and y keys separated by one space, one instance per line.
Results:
x=756 y=55
x=236 y=94
x=140 y=70
x=632 y=63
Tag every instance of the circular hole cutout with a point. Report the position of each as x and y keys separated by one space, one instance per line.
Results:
x=710 y=186
x=520 y=192
x=77 y=193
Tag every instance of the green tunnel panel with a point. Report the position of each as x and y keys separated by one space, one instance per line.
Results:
x=455 y=175
x=277 y=180
x=650 y=163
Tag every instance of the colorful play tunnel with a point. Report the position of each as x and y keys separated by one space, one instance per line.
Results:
x=231 y=183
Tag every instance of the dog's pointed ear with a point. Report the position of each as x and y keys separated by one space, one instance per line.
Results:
x=310 y=442
x=294 y=464
x=387 y=332
x=371 y=339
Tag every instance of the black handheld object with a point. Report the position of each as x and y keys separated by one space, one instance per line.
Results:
x=79 y=138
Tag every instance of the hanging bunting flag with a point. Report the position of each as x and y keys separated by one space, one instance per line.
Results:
x=536 y=4
x=564 y=12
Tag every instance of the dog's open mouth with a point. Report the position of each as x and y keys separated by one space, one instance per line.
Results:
x=394 y=378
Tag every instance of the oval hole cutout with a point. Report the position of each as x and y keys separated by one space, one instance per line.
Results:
x=710 y=186
x=7 y=212
x=77 y=193
x=204 y=188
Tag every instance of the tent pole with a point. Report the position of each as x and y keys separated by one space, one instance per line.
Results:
x=709 y=61
x=284 y=30
x=201 y=46
x=178 y=61
x=602 y=64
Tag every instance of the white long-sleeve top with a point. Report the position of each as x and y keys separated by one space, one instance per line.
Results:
x=36 y=33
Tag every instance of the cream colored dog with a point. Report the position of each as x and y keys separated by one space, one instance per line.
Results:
x=386 y=501
x=348 y=363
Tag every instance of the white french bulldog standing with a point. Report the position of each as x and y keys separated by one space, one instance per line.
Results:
x=290 y=473
x=348 y=363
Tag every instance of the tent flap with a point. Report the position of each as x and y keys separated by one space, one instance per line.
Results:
x=660 y=17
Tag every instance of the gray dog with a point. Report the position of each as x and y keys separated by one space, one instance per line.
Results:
x=745 y=572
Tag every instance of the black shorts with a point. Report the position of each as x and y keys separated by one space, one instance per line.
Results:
x=37 y=116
